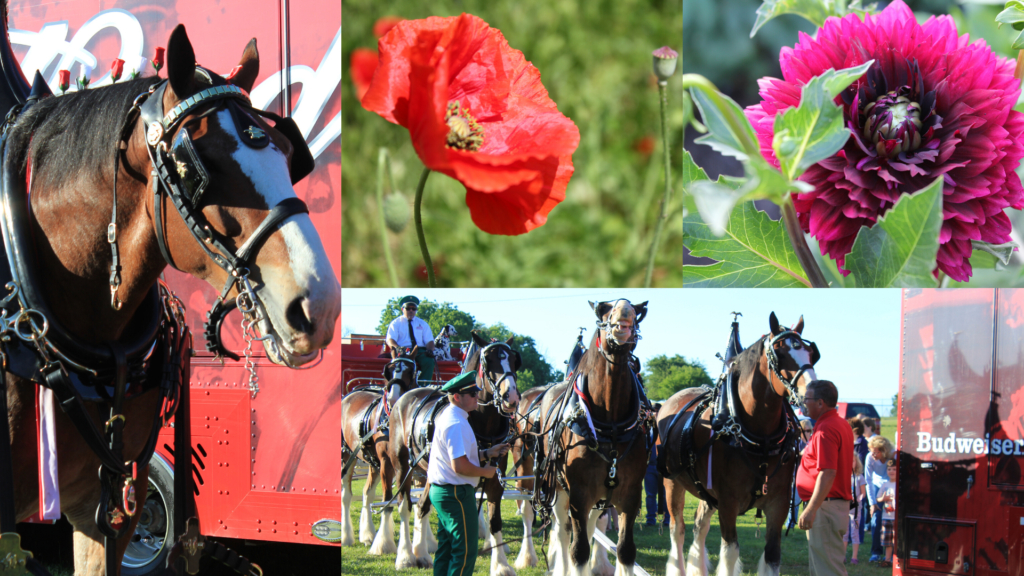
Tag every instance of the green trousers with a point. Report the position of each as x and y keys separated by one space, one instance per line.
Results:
x=425 y=362
x=457 y=530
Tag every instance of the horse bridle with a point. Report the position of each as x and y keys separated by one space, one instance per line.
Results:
x=399 y=360
x=774 y=364
x=615 y=347
x=179 y=174
x=492 y=384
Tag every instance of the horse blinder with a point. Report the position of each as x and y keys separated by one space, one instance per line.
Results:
x=192 y=173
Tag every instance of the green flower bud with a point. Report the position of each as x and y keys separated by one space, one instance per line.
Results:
x=396 y=212
x=665 y=63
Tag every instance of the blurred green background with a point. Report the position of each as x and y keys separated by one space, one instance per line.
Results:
x=595 y=61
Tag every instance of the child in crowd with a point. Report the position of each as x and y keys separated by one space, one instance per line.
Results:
x=880 y=451
x=887 y=499
x=859 y=492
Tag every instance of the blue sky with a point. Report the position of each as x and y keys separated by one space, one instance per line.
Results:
x=857 y=331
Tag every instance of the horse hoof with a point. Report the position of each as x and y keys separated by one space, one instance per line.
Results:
x=425 y=562
x=404 y=561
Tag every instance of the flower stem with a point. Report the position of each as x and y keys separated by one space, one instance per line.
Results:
x=431 y=281
x=803 y=251
x=382 y=160
x=663 y=93
x=1018 y=72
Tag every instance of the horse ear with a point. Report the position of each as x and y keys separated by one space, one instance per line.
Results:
x=600 y=308
x=641 y=311
x=478 y=339
x=249 y=67
x=509 y=341
x=773 y=323
x=181 y=63
x=799 y=328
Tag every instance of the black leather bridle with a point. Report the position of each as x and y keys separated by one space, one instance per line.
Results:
x=180 y=175
x=775 y=365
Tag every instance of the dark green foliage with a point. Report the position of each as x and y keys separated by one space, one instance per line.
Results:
x=664 y=376
x=535 y=371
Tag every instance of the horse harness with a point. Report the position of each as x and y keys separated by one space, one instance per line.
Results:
x=35 y=345
x=727 y=426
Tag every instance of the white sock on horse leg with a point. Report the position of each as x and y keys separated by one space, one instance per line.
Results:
x=558 y=557
x=348 y=536
x=366 y=522
x=674 y=566
x=698 y=562
x=599 y=563
x=483 y=524
x=405 y=557
x=729 y=560
x=527 y=554
x=384 y=541
x=499 y=562
x=421 y=540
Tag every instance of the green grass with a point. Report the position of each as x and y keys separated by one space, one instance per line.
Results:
x=652 y=547
x=594 y=57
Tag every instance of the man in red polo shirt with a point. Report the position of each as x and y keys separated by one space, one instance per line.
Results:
x=822 y=481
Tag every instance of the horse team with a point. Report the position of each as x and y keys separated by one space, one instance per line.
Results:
x=581 y=446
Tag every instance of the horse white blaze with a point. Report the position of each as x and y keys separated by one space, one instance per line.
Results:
x=513 y=393
x=308 y=276
x=394 y=391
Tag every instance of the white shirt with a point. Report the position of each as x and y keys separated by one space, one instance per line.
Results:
x=398 y=331
x=453 y=438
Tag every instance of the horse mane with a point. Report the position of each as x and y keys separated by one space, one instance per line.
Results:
x=77 y=131
x=472 y=357
x=749 y=358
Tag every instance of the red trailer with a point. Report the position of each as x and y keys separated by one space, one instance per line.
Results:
x=363 y=360
x=267 y=467
x=960 y=437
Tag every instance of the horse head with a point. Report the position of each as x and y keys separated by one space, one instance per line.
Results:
x=791 y=358
x=618 y=323
x=241 y=227
x=498 y=366
x=400 y=374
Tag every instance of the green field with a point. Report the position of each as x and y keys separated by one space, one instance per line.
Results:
x=652 y=547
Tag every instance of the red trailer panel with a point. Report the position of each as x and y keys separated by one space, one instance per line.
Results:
x=960 y=493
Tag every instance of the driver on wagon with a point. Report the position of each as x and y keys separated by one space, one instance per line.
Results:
x=408 y=331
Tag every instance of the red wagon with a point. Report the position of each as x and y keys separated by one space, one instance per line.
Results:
x=960 y=438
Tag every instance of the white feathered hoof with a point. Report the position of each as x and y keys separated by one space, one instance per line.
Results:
x=599 y=564
x=366 y=525
x=384 y=541
x=404 y=560
x=527 y=557
x=425 y=562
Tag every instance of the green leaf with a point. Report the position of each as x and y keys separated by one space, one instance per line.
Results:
x=987 y=255
x=754 y=252
x=899 y=250
x=691 y=172
x=724 y=137
x=814 y=131
x=1013 y=15
x=814 y=10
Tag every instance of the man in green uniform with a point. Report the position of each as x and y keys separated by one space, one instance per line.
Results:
x=453 y=473
x=408 y=331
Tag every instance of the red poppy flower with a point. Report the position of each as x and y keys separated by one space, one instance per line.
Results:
x=363 y=63
x=116 y=68
x=477 y=112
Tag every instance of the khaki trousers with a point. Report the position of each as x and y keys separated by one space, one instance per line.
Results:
x=826 y=549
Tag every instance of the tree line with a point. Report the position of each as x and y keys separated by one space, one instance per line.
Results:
x=662 y=375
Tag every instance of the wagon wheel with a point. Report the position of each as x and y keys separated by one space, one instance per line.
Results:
x=147 y=552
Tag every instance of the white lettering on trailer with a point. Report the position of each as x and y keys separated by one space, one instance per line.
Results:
x=953 y=444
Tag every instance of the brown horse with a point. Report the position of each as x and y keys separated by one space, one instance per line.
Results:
x=750 y=461
x=595 y=452
x=365 y=411
x=495 y=364
x=71 y=143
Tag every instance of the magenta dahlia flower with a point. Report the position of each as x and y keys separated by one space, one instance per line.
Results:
x=931 y=105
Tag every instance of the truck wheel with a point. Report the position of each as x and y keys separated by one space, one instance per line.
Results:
x=147 y=552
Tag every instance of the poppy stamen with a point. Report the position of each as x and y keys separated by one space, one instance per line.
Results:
x=464 y=131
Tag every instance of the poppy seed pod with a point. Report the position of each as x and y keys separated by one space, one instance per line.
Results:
x=665 y=63
x=396 y=212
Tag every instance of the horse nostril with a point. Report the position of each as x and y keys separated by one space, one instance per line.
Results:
x=298 y=316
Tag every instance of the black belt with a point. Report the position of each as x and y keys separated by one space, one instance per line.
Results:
x=831 y=499
x=451 y=485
